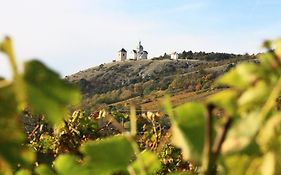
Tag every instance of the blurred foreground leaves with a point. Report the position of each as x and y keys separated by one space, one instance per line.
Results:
x=245 y=140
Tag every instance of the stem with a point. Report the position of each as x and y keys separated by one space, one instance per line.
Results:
x=133 y=120
x=19 y=86
x=137 y=152
x=221 y=137
x=7 y=48
x=208 y=159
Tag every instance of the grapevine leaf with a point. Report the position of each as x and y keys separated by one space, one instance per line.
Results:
x=271 y=165
x=226 y=100
x=44 y=170
x=150 y=161
x=108 y=155
x=28 y=156
x=269 y=64
x=252 y=166
x=268 y=166
x=241 y=134
x=69 y=165
x=23 y=172
x=8 y=103
x=47 y=93
x=168 y=106
x=240 y=164
x=9 y=146
x=267 y=135
x=188 y=130
x=241 y=77
x=254 y=96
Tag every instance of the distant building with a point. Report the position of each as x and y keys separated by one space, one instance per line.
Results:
x=139 y=53
x=174 y=56
x=122 y=55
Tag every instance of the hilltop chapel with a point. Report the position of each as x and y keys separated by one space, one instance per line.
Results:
x=138 y=54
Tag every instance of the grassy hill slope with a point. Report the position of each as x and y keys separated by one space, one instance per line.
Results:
x=145 y=81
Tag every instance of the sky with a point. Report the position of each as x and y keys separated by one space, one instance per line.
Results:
x=72 y=35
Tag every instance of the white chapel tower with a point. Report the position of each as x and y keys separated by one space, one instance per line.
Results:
x=139 y=53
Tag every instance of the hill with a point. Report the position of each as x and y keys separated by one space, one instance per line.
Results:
x=140 y=80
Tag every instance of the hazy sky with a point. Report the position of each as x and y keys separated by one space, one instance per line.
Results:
x=71 y=35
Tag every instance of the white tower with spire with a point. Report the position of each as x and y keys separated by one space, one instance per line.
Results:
x=139 y=53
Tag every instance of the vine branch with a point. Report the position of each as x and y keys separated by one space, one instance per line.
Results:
x=221 y=138
x=208 y=163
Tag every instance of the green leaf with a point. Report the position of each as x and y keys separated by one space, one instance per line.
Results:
x=268 y=135
x=269 y=163
x=8 y=102
x=47 y=93
x=242 y=133
x=23 y=172
x=254 y=96
x=188 y=130
x=241 y=77
x=227 y=100
x=168 y=106
x=44 y=170
x=241 y=164
x=268 y=62
x=150 y=162
x=108 y=155
x=28 y=156
x=65 y=164
x=10 y=146
x=69 y=165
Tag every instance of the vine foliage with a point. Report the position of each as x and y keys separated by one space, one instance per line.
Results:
x=245 y=140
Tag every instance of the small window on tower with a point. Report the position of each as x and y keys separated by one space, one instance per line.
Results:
x=123 y=54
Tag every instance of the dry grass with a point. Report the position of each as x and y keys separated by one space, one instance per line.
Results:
x=153 y=102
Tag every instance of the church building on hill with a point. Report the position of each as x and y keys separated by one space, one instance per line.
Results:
x=138 y=54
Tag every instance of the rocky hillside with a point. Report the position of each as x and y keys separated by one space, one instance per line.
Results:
x=115 y=75
x=118 y=81
x=107 y=77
